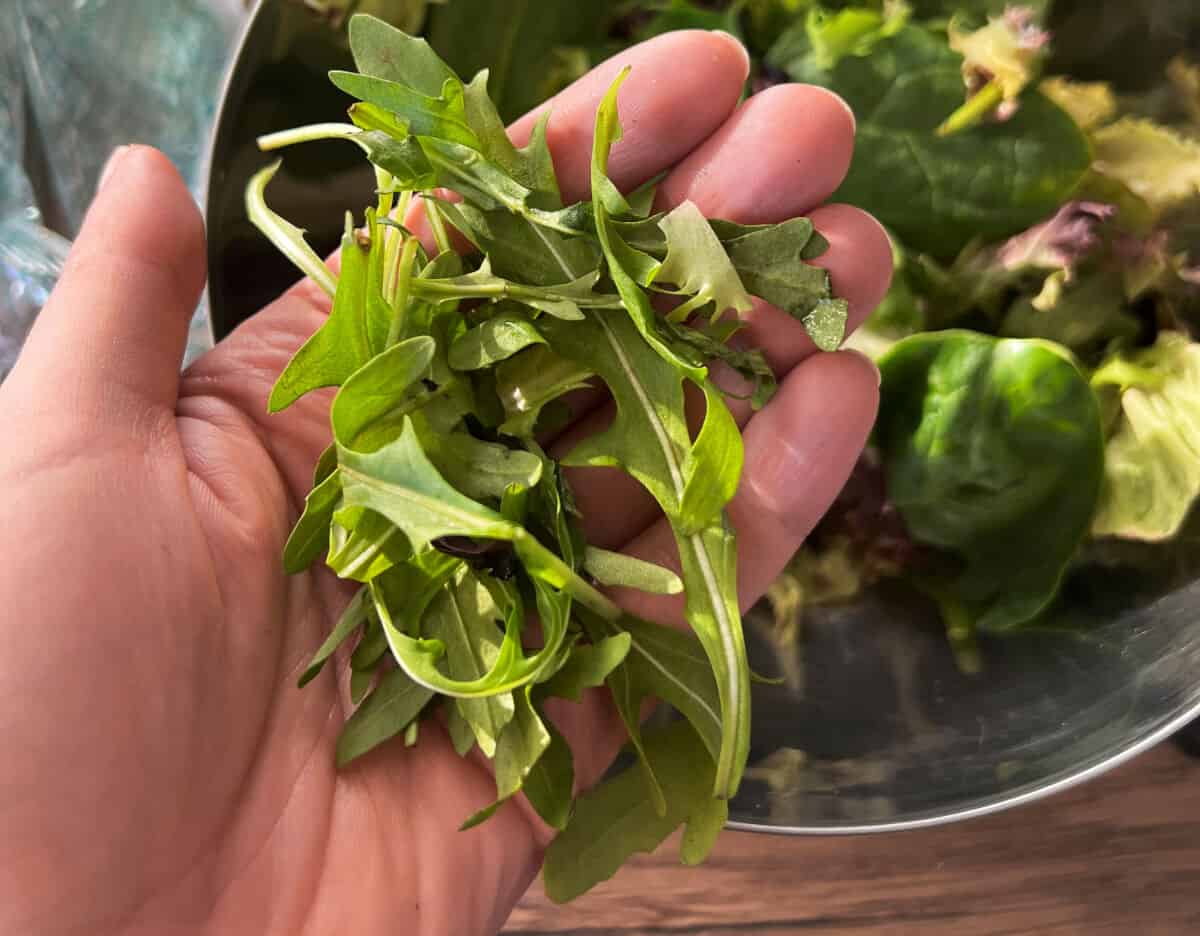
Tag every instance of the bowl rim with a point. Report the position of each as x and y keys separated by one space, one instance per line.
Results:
x=1019 y=796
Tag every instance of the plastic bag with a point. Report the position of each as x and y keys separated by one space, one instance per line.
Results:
x=95 y=74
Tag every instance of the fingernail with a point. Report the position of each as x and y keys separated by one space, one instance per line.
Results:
x=869 y=362
x=111 y=166
x=741 y=46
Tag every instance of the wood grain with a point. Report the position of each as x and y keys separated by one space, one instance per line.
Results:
x=1120 y=854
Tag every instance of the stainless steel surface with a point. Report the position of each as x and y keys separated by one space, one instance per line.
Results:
x=885 y=732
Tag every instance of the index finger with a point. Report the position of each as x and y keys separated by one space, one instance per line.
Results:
x=682 y=87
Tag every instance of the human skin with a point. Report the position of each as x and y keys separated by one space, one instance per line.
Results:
x=163 y=774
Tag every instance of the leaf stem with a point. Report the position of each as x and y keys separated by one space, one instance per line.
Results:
x=977 y=107
x=308 y=134
x=434 y=211
x=387 y=196
x=508 y=290
x=408 y=256
x=539 y=559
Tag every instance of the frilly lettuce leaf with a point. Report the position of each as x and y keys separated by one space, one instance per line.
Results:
x=1152 y=459
x=1157 y=164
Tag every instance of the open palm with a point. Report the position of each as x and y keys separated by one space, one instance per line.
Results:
x=164 y=775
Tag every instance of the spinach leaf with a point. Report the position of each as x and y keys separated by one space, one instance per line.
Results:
x=937 y=193
x=993 y=451
x=514 y=41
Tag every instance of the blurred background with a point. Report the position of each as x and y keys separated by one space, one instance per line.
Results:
x=77 y=79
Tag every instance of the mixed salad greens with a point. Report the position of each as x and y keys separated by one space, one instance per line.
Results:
x=1041 y=375
x=1038 y=167
x=436 y=496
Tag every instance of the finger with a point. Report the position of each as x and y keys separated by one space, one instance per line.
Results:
x=117 y=322
x=780 y=155
x=663 y=116
x=859 y=261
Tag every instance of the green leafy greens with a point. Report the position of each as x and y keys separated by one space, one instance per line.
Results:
x=436 y=497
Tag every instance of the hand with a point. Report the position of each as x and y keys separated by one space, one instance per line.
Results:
x=163 y=772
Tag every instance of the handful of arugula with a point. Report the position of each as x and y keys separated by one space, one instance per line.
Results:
x=437 y=497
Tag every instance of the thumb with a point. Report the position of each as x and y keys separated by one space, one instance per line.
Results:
x=115 y=328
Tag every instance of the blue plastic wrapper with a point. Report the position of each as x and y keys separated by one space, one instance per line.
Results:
x=77 y=79
x=31 y=259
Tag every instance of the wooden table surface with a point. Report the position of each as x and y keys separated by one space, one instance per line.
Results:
x=1119 y=855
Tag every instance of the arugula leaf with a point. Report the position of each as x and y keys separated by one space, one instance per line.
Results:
x=649 y=439
x=463 y=618
x=481 y=469
x=617 y=820
x=383 y=51
x=550 y=783
x=364 y=544
x=387 y=712
x=517 y=249
x=361 y=684
x=521 y=745
x=588 y=667
x=288 y=238
x=712 y=467
x=514 y=40
x=340 y=346
x=462 y=735
x=617 y=569
x=373 y=645
x=607 y=201
x=751 y=364
x=443 y=117
x=311 y=533
x=352 y=619
x=372 y=391
x=528 y=382
x=532 y=166
x=400 y=482
x=495 y=340
x=772 y=263
x=698 y=265
x=671 y=665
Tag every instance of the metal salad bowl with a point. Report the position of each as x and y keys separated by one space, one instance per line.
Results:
x=873 y=725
